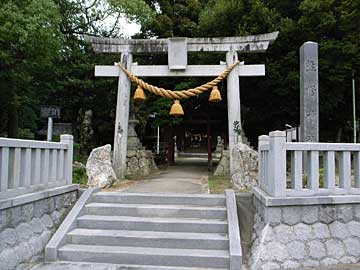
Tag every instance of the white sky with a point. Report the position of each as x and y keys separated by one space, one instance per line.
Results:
x=129 y=28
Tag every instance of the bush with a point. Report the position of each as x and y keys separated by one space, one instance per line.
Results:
x=79 y=175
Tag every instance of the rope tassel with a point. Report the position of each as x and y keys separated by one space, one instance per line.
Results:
x=139 y=94
x=215 y=95
x=176 y=109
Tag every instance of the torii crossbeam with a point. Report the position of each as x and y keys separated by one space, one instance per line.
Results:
x=177 y=49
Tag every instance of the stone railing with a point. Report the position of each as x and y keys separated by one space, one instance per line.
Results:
x=28 y=166
x=288 y=169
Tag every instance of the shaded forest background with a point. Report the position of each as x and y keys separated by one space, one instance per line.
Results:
x=45 y=60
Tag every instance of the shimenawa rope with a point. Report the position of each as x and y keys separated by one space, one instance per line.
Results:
x=179 y=94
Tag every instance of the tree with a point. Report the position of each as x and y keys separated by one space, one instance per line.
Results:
x=29 y=40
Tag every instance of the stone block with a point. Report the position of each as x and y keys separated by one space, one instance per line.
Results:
x=14 y=216
x=302 y=232
x=56 y=217
x=270 y=266
x=335 y=248
x=316 y=249
x=27 y=211
x=320 y=231
x=9 y=237
x=24 y=231
x=310 y=263
x=36 y=245
x=40 y=208
x=310 y=214
x=50 y=205
x=328 y=261
x=3 y=219
x=348 y=260
x=339 y=230
x=344 y=213
x=276 y=251
x=47 y=221
x=291 y=215
x=354 y=228
x=59 y=202
x=272 y=215
x=284 y=233
x=352 y=246
x=327 y=213
x=23 y=252
x=37 y=225
x=73 y=197
x=296 y=250
x=45 y=237
x=290 y=265
x=8 y=259
x=356 y=212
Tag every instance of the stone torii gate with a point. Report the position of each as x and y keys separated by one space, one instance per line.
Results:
x=177 y=49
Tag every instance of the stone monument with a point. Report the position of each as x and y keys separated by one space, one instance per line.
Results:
x=309 y=92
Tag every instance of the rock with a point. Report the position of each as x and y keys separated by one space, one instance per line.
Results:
x=99 y=169
x=246 y=176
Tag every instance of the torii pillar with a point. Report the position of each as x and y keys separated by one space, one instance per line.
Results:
x=177 y=49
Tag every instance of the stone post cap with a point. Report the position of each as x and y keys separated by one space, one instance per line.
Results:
x=277 y=133
x=263 y=138
x=66 y=137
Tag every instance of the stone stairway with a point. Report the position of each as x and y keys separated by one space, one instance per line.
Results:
x=148 y=231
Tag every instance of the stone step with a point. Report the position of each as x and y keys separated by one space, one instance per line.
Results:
x=179 y=240
x=68 y=265
x=145 y=256
x=153 y=224
x=164 y=199
x=148 y=210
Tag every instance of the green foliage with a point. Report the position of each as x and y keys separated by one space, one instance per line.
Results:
x=45 y=60
x=136 y=10
x=79 y=176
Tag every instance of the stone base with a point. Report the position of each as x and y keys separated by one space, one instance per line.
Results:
x=26 y=229
x=291 y=237
x=140 y=163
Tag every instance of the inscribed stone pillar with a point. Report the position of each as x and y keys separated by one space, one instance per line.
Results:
x=122 y=119
x=309 y=92
x=233 y=104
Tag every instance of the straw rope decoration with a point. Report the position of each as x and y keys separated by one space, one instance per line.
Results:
x=179 y=94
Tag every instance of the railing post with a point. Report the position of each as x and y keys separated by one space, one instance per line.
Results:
x=277 y=164
x=68 y=139
x=263 y=162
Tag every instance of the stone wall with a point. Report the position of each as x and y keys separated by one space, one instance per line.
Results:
x=26 y=229
x=140 y=163
x=290 y=237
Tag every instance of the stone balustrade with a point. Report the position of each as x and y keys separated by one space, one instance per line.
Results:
x=307 y=204
x=291 y=169
x=29 y=166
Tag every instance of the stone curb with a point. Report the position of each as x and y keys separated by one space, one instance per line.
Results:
x=68 y=224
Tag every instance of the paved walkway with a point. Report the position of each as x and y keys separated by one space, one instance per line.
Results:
x=189 y=175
